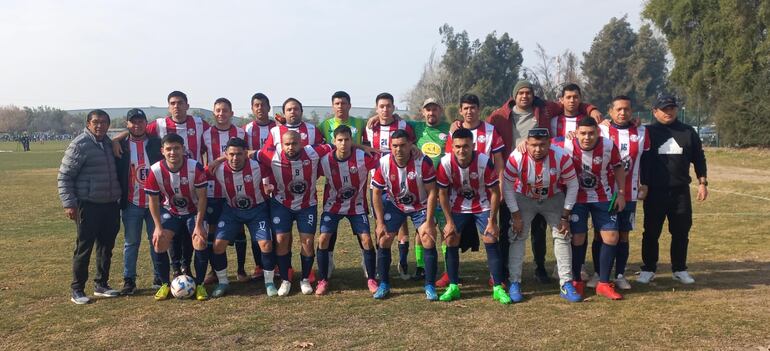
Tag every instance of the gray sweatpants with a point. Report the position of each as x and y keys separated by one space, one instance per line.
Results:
x=551 y=209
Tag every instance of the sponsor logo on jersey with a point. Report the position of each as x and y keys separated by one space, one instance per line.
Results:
x=431 y=149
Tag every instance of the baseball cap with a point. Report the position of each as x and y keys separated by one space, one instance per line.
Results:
x=429 y=101
x=665 y=101
x=135 y=113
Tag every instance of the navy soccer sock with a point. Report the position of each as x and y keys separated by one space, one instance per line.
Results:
x=622 y=258
x=596 y=247
x=493 y=261
x=383 y=264
x=307 y=265
x=370 y=261
x=430 y=257
x=452 y=259
x=268 y=260
x=164 y=266
x=607 y=258
x=578 y=257
x=284 y=262
x=403 y=254
x=322 y=255
x=201 y=263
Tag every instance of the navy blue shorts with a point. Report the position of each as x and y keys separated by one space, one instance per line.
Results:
x=284 y=217
x=213 y=209
x=463 y=219
x=627 y=217
x=359 y=223
x=601 y=218
x=232 y=221
x=394 y=217
x=177 y=224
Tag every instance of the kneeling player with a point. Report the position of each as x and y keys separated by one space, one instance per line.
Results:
x=240 y=179
x=469 y=194
x=182 y=184
x=409 y=182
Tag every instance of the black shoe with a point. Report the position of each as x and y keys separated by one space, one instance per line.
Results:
x=542 y=276
x=129 y=287
x=104 y=290
x=186 y=271
x=419 y=274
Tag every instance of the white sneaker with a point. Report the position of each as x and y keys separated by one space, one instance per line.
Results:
x=270 y=289
x=683 y=277
x=645 y=277
x=331 y=265
x=305 y=286
x=285 y=288
x=594 y=280
x=622 y=283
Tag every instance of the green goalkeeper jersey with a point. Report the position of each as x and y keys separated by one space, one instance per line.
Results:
x=431 y=139
x=357 y=126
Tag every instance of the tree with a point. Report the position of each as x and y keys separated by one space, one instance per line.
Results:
x=553 y=72
x=13 y=119
x=647 y=68
x=605 y=65
x=46 y=119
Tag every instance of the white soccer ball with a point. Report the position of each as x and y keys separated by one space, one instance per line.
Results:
x=183 y=287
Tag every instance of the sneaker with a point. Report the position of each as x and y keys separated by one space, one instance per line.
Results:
x=382 y=291
x=403 y=272
x=162 y=292
x=311 y=276
x=419 y=274
x=683 y=277
x=219 y=290
x=271 y=290
x=129 y=287
x=200 y=293
x=105 y=291
x=430 y=293
x=156 y=283
x=569 y=293
x=498 y=293
x=331 y=265
x=608 y=290
x=258 y=273
x=211 y=278
x=305 y=287
x=242 y=277
x=372 y=285
x=514 y=292
x=443 y=281
x=452 y=293
x=285 y=288
x=645 y=277
x=622 y=283
x=79 y=297
x=321 y=288
x=542 y=276
x=594 y=280
x=580 y=287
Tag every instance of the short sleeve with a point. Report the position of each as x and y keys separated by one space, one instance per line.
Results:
x=378 y=180
x=497 y=142
x=511 y=169
x=442 y=178
x=490 y=177
x=151 y=186
x=428 y=172
x=152 y=128
x=201 y=180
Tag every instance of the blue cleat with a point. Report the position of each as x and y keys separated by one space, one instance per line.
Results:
x=514 y=292
x=382 y=291
x=430 y=293
x=569 y=293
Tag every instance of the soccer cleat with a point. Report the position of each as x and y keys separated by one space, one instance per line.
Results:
x=498 y=294
x=311 y=276
x=594 y=280
x=321 y=288
x=285 y=288
x=622 y=283
x=258 y=273
x=430 y=293
x=156 y=283
x=219 y=290
x=443 y=281
x=542 y=276
x=129 y=287
x=607 y=290
x=305 y=287
x=683 y=277
x=403 y=272
x=200 y=293
x=452 y=293
x=580 y=287
x=645 y=277
x=514 y=292
x=372 y=285
x=211 y=278
x=569 y=293
x=242 y=276
x=162 y=292
x=382 y=291
x=271 y=290
x=79 y=297
x=104 y=290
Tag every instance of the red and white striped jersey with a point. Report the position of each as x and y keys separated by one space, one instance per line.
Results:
x=485 y=137
x=295 y=180
x=309 y=135
x=242 y=188
x=215 y=140
x=405 y=185
x=379 y=136
x=561 y=125
x=594 y=169
x=191 y=131
x=469 y=186
x=539 y=179
x=177 y=189
x=256 y=134
x=631 y=142
x=138 y=170
x=344 y=192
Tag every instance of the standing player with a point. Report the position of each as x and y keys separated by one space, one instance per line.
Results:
x=532 y=185
x=567 y=119
x=346 y=171
x=409 y=183
x=240 y=178
x=470 y=194
x=599 y=168
x=181 y=184
x=632 y=142
x=309 y=134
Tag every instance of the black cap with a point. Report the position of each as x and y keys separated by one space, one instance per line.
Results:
x=135 y=113
x=665 y=101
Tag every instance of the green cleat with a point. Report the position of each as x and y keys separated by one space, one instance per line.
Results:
x=499 y=294
x=452 y=293
x=200 y=293
x=163 y=292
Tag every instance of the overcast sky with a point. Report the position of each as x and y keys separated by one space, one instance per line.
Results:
x=87 y=54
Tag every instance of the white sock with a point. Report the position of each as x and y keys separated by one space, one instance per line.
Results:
x=269 y=275
x=222 y=276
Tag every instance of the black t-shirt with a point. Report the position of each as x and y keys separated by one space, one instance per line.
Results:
x=672 y=148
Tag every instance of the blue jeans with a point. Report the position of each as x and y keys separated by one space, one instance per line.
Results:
x=132 y=229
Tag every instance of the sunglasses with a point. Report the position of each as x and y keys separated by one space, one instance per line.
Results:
x=538 y=132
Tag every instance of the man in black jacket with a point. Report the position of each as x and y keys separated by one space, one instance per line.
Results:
x=140 y=151
x=666 y=173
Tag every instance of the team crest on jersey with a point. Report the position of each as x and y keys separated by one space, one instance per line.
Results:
x=353 y=130
x=347 y=192
x=248 y=178
x=442 y=136
x=474 y=175
x=481 y=138
x=587 y=180
x=597 y=160
x=298 y=187
x=184 y=181
x=467 y=192
x=191 y=131
x=306 y=163
x=242 y=202
x=406 y=198
x=353 y=169
x=411 y=175
x=179 y=201
x=303 y=136
x=634 y=138
x=393 y=177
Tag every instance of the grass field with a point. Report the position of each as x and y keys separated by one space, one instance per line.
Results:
x=727 y=308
